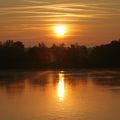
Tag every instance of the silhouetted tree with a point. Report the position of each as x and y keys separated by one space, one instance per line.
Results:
x=15 y=55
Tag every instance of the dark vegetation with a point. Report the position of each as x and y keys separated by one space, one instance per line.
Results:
x=13 y=55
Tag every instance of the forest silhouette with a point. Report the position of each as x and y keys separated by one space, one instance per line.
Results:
x=14 y=55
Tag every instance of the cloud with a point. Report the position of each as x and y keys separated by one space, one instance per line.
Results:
x=45 y=12
x=68 y=7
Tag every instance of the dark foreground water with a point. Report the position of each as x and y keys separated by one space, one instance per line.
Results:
x=60 y=95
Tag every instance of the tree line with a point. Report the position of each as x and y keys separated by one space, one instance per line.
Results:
x=14 y=55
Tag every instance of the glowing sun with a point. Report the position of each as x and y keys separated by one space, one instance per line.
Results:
x=60 y=30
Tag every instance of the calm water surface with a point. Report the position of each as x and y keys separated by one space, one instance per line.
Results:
x=60 y=95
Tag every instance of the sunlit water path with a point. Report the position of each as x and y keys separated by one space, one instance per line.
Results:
x=60 y=95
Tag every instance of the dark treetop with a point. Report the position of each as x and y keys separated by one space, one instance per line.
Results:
x=13 y=55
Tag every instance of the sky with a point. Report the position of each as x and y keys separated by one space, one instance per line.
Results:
x=88 y=22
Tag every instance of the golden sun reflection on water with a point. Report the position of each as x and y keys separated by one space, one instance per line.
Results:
x=61 y=89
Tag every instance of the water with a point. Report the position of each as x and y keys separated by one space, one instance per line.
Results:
x=60 y=95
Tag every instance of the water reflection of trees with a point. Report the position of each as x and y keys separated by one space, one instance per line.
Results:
x=74 y=79
x=15 y=82
x=106 y=78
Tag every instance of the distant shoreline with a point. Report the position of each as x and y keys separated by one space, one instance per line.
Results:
x=63 y=69
x=13 y=55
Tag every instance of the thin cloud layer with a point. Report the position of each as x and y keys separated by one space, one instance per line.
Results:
x=37 y=14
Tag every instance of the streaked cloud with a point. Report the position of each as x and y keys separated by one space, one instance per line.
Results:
x=22 y=15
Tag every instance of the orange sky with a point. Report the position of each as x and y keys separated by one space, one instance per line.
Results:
x=89 y=22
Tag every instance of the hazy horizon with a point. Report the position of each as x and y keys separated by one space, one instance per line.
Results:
x=88 y=22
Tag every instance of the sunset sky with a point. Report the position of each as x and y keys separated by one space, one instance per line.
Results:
x=88 y=22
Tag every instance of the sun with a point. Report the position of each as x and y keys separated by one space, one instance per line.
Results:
x=60 y=30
